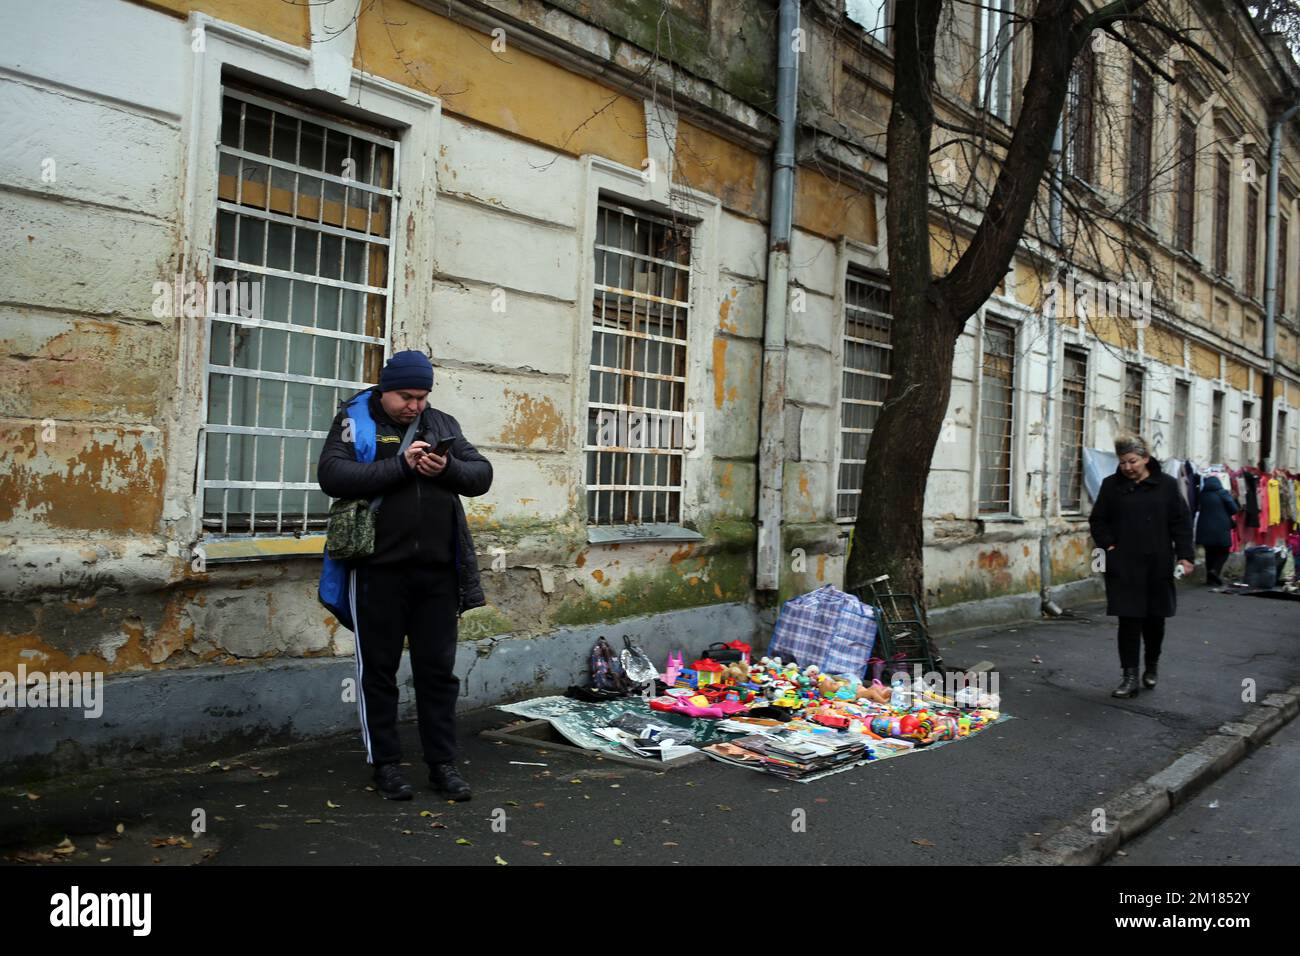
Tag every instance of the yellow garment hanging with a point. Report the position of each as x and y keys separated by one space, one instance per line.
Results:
x=1274 y=502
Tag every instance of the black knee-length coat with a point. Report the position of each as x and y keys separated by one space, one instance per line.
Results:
x=1148 y=525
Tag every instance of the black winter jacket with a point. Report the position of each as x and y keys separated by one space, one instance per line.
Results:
x=1148 y=524
x=1214 y=517
x=406 y=518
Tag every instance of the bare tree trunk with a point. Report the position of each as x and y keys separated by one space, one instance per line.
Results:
x=888 y=533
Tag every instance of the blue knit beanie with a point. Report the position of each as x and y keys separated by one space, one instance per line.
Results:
x=409 y=369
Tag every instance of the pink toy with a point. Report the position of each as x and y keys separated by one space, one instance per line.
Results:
x=669 y=676
x=722 y=709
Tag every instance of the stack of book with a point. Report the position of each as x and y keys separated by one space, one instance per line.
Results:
x=795 y=756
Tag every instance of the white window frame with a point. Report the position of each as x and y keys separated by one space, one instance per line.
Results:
x=280 y=67
x=851 y=256
x=1085 y=351
x=604 y=179
x=996 y=52
x=1000 y=313
x=884 y=19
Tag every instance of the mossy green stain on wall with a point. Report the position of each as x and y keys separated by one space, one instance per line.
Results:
x=484 y=622
x=718 y=579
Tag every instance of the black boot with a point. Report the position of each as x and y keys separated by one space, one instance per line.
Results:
x=392 y=783
x=444 y=778
x=1129 y=686
x=1149 y=676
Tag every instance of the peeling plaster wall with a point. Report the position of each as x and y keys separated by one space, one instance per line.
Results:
x=98 y=472
x=96 y=475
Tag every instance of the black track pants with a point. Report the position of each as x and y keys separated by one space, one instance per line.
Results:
x=390 y=603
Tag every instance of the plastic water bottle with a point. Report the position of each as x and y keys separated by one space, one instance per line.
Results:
x=900 y=697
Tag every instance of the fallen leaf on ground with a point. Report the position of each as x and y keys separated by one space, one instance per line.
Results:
x=531 y=843
x=539 y=804
x=576 y=780
x=501 y=862
x=617 y=842
x=331 y=804
x=923 y=843
x=312 y=820
x=723 y=806
x=670 y=843
x=461 y=841
x=33 y=796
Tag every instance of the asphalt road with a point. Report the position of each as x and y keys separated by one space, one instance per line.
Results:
x=1249 y=816
x=973 y=802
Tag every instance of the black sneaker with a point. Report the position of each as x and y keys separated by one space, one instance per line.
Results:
x=444 y=778
x=392 y=783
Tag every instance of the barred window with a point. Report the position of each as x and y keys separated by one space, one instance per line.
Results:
x=1251 y=266
x=864 y=382
x=995 y=53
x=1082 y=107
x=1283 y=254
x=1216 y=428
x=996 y=413
x=1141 y=104
x=1249 y=429
x=1182 y=401
x=1280 y=454
x=1185 y=216
x=1222 y=185
x=305 y=205
x=1133 y=399
x=636 y=403
x=1074 y=398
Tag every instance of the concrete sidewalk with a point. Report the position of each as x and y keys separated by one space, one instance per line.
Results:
x=976 y=802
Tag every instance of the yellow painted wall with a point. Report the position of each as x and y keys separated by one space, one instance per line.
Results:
x=832 y=209
x=289 y=22
x=512 y=91
x=1164 y=344
x=711 y=164
x=1119 y=332
x=1205 y=361
x=1237 y=375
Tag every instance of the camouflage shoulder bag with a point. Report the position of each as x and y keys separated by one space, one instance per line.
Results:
x=351 y=532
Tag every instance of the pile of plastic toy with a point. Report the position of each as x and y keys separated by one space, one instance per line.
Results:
x=908 y=712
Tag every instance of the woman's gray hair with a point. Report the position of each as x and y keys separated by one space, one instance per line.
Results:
x=1131 y=444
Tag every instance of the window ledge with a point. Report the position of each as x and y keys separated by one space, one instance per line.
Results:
x=621 y=534
x=1001 y=519
x=228 y=549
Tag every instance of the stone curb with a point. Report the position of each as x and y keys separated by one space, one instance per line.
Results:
x=1093 y=837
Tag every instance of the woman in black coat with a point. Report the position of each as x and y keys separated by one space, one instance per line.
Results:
x=1214 y=527
x=1142 y=522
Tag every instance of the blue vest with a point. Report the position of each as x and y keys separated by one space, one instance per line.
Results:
x=333 y=589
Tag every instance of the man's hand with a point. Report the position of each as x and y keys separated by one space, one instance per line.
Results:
x=415 y=451
x=430 y=464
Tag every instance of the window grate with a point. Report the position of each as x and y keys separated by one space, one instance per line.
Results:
x=1141 y=103
x=1216 y=428
x=1182 y=401
x=304 y=213
x=865 y=383
x=996 y=414
x=1133 y=399
x=1074 y=396
x=636 y=402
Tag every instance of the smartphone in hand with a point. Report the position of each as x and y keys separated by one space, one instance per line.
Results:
x=442 y=447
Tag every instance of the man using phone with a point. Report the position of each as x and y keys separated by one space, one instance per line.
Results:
x=423 y=573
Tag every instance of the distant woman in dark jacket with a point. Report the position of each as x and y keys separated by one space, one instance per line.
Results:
x=1143 y=523
x=1214 y=527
